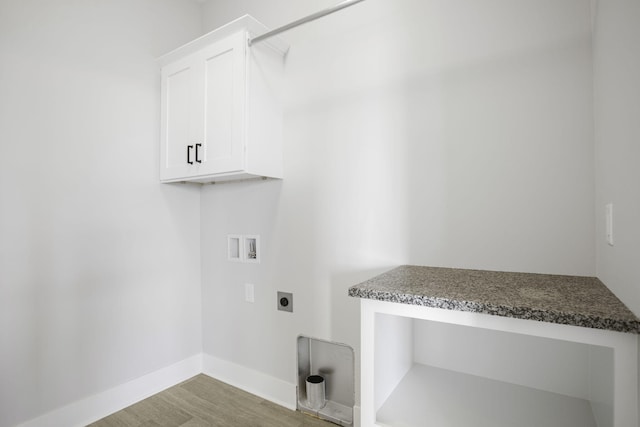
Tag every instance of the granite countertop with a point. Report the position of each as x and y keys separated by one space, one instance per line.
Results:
x=569 y=300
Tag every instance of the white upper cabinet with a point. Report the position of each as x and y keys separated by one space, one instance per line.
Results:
x=221 y=113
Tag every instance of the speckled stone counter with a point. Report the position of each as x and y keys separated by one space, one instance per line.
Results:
x=570 y=300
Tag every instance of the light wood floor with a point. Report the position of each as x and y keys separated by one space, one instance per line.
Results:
x=203 y=401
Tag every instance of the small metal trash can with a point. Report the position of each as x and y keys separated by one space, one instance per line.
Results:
x=315 y=392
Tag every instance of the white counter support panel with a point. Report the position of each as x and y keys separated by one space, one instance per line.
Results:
x=396 y=389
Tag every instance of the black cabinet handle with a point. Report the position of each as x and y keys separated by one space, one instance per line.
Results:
x=189 y=148
x=198 y=160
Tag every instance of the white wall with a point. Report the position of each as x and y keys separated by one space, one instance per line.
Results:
x=617 y=145
x=447 y=133
x=99 y=264
x=617 y=138
x=441 y=132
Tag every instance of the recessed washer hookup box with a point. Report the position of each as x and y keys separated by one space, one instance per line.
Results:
x=333 y=362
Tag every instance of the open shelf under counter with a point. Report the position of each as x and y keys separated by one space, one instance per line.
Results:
x=450 y=398
x=441 y=347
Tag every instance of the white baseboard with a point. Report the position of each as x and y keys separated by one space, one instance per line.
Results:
x=93 y=408
x=249 y=380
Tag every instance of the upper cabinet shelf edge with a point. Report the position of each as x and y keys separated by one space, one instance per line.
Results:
x=221 y=113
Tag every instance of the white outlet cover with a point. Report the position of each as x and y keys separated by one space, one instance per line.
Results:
x=249 y=295
x=609 y=223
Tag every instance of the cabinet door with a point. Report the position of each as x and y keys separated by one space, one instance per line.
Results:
x=223 y=90
x=179 y=118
